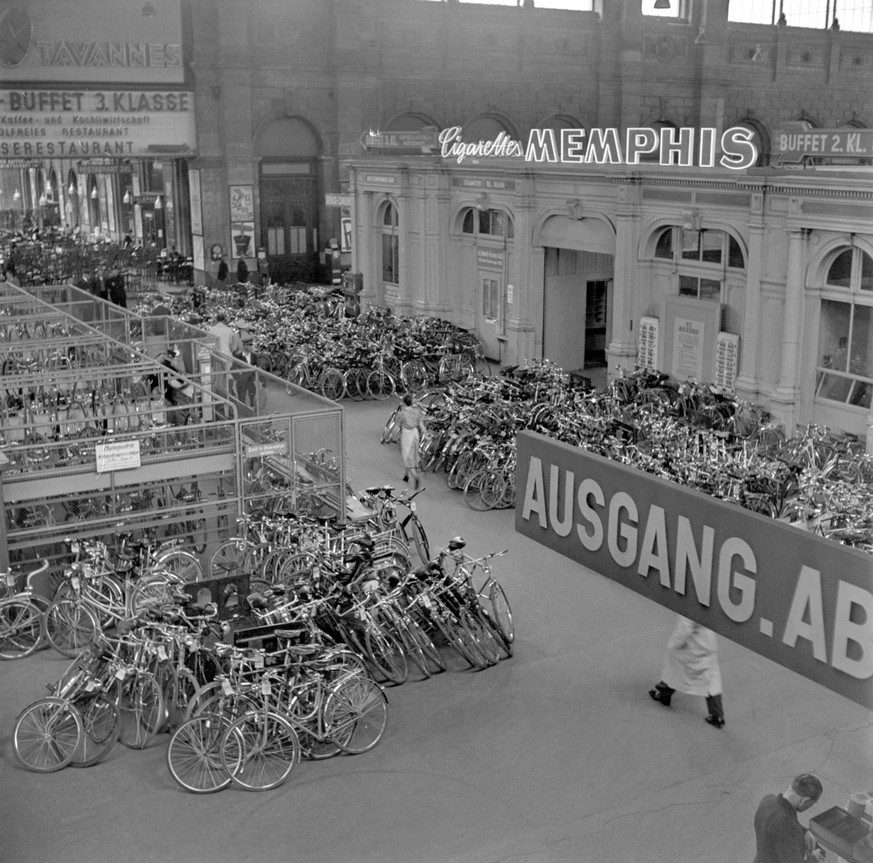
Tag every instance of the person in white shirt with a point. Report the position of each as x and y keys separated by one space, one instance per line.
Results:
x=227 y=343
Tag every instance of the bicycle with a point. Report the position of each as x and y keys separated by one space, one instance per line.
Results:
x=22 y=613
x=78 y=724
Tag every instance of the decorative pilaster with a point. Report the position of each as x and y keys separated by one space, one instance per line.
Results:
x=784 y=401
x=622 y=348
x=747 y=378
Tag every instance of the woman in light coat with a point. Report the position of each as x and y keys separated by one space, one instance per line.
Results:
x=411 y=429
x=691 y=666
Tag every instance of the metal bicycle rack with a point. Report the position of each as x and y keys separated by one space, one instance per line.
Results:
x=92 y=453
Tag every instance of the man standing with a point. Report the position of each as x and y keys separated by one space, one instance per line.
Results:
x=780 y=837
x=117 y=292
x=246 y=378
x=227 y=344
x=98 y=284
x=227 y=339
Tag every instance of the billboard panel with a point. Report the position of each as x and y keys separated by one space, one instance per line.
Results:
x=85 y=124
x=95 y=41
x=793 y=597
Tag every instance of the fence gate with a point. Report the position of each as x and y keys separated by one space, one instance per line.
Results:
x=293 y=463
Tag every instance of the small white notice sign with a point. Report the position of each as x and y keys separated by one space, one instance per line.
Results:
x=118 y=455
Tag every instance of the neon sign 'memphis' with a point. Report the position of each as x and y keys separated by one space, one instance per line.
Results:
x=684 y=147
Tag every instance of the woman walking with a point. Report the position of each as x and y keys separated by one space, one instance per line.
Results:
x=691 y=666
x=411 y=428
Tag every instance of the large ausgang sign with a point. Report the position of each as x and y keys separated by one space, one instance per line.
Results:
x=800 y=600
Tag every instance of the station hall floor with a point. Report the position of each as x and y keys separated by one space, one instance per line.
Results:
x=557 y=755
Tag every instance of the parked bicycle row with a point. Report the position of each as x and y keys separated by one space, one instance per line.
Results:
x=246 y=716
x=303 y=336
x=689 y=434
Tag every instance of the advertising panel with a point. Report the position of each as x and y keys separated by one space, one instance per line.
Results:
x=795 y=598
x=90 y=124
x=94 y=41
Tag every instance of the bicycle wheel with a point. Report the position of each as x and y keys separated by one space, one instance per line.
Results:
x=226 y=558
x=140 y=701
x=507 y=492
x=101 y=725
x=391 y=432
x=414 y=530
x=194 y=754
x=386 y=654
x=330 y=384
x=355 y=383
x=428 y=649
x=501 y=611
x=21 y=628
x=260 y=750
x=70 y=627
x=356 y=714
x=46 y=735
x=501 y=643
x=474 y=493
x=493 y=489
x=182 y=563
x=461 y=640
x=760 y=503
x=380 y=385
x=480 y=632
x=414 y=376
x=180 y=689
x=153 y=591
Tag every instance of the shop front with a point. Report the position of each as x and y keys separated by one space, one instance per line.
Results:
x=98 y=123
x=758 y=281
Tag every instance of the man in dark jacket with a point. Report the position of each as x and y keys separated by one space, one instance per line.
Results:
x=117 y=293
x=221 y=275
x=98 y=284
x=780 y=837
x=242 y=272
x=245 y=378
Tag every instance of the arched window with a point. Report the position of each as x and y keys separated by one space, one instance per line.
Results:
x=492 y=223
x=845 y=371
x=701 y=258
x=390 y=245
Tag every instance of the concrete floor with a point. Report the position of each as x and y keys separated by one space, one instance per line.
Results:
x=555 y=756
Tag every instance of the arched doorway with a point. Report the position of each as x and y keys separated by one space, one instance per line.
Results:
x=289 y=150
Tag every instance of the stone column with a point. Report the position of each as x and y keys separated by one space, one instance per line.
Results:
x=526 y=278
x=784 y=401
x=747 y=375
x=622 y=347
x=362 y=240
x=403 y=291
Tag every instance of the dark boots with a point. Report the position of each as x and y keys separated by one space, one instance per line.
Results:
x=662 y=693
x=716 y=711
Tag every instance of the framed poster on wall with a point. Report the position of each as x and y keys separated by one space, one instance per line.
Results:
x=647 y=344
x=242 y=239
x=242 y=203
x=196 y=201
x=197 y=253
x=689 y=333
x=727 y=355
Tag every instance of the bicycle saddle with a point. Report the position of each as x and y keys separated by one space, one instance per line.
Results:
x=457 y=543
x=257 y=600
x=288 y=633
x=302 y=649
